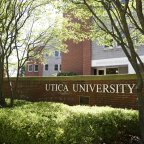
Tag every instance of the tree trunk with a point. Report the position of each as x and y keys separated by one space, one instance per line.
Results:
x=10 y=83
x=140 y=96
x=2 y=98
x=141 y=114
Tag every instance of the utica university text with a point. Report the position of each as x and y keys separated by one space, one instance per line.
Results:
x=96 y=88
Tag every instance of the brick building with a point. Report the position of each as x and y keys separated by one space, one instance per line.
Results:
x=88 y=58
x=34 y=68
x=78 y=59
x=84 y=58
x=49 y=65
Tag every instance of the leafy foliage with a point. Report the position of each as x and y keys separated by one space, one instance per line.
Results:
x=118 y=23
x=66 y=74
x=55 y=123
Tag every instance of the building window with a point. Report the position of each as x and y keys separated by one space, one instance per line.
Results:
x=36 y=68
x=46 y=67
x=95 y=71
x=101 y=72
x=111 y=70
x=56 y=67
x=30 y=68
x=84 y=100
x=56 y=53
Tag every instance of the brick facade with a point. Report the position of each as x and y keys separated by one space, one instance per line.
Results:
x=78 y=59
x=87 y=57
x=34 y=73
x=34 y=89
x=73 y=60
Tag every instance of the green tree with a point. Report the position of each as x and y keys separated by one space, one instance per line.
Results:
x=14 y=15
x=26 y=28
x=122 y=21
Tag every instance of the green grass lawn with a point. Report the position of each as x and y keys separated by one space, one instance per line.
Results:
x=55 y=123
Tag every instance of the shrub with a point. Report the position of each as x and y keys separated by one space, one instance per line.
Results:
x=67 y=74
x=54 y=123
x=107 y=126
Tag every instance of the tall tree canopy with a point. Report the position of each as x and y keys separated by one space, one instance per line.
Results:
x=26 y=25
x=120 y=21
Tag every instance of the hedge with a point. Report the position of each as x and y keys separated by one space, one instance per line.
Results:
x=55 y=123
x=78 y=78
x=67 y=74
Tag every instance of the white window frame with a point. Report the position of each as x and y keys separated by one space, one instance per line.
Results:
x=112 y=67
x=103 y=69
x=29 y=67
x=45 y=67
x=35 y=68
x=57 y=67
x=57 y=53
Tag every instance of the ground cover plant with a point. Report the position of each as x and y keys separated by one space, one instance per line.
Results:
x=55 y=123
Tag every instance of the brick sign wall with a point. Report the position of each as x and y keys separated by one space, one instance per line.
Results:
x=115 y=91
